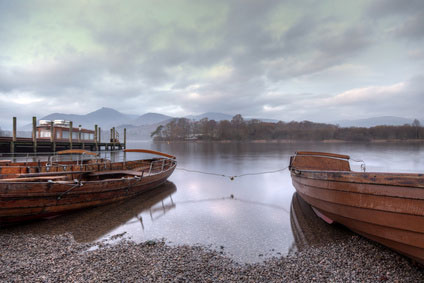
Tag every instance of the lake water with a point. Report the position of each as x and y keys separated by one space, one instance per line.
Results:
x=249 y=219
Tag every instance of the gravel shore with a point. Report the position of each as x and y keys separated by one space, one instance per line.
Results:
x=37 y=258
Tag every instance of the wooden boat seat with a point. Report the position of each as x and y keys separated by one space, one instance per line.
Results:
x=320 y=161
x=116 y=172
x=139 y=169
x=35 y=179
x=315 y=153
x=43 y=174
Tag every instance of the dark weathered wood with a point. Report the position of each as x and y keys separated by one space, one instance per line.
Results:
x=76 y=151
x=125 y=137
x=95 y=138
x=14 y=129
x=70 y=134
x=52 y=133
x=45 y=145
x=113 y=138
x=151 y=152
x=12 y=143
x=34 y=192
x=33 y=179
x=117 y=172
x=316 y=153
x=34 y=133
x=49 y=174
x=317 y=162
x=385 y=207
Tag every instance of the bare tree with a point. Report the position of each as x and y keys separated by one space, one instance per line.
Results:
x=416 y=123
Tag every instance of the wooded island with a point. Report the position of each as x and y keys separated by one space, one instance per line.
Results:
x=239 y=129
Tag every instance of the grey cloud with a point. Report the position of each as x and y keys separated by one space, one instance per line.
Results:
x=404 y=101
x=244 y=28
x=390 y=7
x=127 y=73
x=410 y=16
x=331 y=49
x=413 y=28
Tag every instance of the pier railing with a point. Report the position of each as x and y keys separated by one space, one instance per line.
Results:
x=29 y=141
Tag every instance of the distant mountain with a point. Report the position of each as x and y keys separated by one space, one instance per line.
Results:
x=375 y=121
x=137 y=126
x=149 y=119
x=103 y=117
x=211 y=116
x=265 y=120
x=221 y=116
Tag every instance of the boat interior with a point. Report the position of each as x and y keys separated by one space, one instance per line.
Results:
x=80 y=165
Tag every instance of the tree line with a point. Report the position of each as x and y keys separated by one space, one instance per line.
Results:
x=240 y=129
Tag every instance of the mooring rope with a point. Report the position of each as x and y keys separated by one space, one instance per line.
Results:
x=232 y=177
x=363 y=165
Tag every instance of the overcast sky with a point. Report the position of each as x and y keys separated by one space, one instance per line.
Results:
x=287 y=60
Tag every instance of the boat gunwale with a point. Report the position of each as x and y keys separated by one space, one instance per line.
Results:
x=337 y=176
x=172 y=167
x=76 y=193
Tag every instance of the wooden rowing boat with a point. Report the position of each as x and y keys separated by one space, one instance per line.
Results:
x=385 y=207
x=41 y=189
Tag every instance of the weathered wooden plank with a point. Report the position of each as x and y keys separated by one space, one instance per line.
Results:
x=385 y=207
x=384 y=203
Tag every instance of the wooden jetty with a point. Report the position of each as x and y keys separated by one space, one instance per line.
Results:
x=51 y=136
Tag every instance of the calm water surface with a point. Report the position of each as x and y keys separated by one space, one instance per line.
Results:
x=250 y=218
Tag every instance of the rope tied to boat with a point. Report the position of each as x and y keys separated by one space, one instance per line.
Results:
x=363 y=165
x=78 y=184
x=232 y=177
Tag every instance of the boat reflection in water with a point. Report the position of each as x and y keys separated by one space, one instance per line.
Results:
x=92 y=224
x=104 y=220
x=308 y=229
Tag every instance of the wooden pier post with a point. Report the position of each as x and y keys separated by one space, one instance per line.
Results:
x=95 y=138
x=114 y=138
x=70 y=135
x=125 y=138
x=12 y=144
x=111 y=137
x=100 y=136
x=52 y=137
x=34 y=133
x=80 y=138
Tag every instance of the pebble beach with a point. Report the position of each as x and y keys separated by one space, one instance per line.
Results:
x=58 y=258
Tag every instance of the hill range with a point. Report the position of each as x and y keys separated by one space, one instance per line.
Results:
x=140 y=126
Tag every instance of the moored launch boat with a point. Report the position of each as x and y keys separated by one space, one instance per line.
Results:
x=31 y=190
x=385 y=207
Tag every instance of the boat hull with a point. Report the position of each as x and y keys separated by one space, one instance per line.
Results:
x=23 y=201
x=386 y=208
